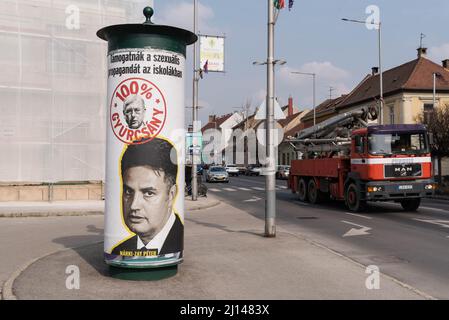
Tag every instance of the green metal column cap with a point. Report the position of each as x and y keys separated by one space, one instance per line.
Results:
x=148 y=34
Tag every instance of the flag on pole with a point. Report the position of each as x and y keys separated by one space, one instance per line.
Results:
x=290 y=4
x=279 y=4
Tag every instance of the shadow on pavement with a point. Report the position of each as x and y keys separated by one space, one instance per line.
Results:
x=88 y=247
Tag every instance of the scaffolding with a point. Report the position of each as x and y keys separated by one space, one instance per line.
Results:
x=53 y=87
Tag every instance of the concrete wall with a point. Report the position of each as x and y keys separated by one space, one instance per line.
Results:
x=91 y=191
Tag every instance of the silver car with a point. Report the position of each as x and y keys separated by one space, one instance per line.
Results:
x=282 y=172
x=217 y=174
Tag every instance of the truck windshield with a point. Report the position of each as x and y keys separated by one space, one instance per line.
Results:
x=404 y=143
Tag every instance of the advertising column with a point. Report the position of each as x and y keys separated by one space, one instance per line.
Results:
x=144 y=213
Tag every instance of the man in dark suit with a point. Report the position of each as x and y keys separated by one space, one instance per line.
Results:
x=149 y=191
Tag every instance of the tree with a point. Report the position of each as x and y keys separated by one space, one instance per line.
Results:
x=437 y=122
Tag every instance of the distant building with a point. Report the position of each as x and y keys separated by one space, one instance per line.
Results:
x=211 y=143
x=246 y=148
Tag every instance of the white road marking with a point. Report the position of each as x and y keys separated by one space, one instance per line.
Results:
x=421 y=207
x=258 y=188
x=254 y=199
x=441 y=223
x=302 y=203
x=358 y=215
x=436 y=209
x=356 y=232
x=244 y=189
x=229 y=189
x=214 y=190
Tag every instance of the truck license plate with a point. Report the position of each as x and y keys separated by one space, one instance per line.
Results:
x=405 y=187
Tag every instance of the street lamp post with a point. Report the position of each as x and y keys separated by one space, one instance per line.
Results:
x=270 y=178
x=314 y=91
x=379 y=28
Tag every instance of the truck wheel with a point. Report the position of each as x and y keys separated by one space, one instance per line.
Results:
x=353 y=199
x=302 y=190
x=314 y=193
x=410 y=204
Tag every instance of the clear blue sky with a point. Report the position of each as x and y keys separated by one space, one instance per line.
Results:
x=310 y=38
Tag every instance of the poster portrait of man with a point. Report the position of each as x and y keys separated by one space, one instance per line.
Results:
x=149 y=192
x=134 y=111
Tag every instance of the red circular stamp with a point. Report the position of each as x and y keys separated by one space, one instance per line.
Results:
x=138 y=111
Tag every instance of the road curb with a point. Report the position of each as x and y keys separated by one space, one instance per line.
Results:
x=49 y=214
x=7 y=289
x=203 y=207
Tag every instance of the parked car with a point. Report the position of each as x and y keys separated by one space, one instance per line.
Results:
x=242 y=169
x=252 y=170
x=283 y=172
x=232 y=170
x=217 y=173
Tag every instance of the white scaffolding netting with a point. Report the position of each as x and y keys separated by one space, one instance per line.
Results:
x=53 y=87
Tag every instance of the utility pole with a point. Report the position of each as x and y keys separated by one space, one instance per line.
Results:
x=331 y=89
x=196 y=80
x=314 y=91
x=270 y=181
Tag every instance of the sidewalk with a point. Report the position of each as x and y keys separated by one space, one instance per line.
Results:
x=76 y=208
x=226 y=257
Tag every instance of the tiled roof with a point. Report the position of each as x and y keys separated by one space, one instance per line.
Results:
x=327 y=105
x=414 y=75
x=217 y=123
x=294 y=130
x=288 y=119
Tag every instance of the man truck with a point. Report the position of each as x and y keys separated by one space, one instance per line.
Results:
x=347 y=159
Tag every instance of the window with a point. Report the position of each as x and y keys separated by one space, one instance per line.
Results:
x=359 y=145
x=394 y=143
x=391 y=114
x=428 y=111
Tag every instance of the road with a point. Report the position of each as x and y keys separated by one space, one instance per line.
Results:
x=412 y=247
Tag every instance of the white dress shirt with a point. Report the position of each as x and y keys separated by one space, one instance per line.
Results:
x=158 y=241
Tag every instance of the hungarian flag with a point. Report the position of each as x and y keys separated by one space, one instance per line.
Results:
x=279 y=4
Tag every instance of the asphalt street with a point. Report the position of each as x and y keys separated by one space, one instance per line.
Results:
x=412 y=247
